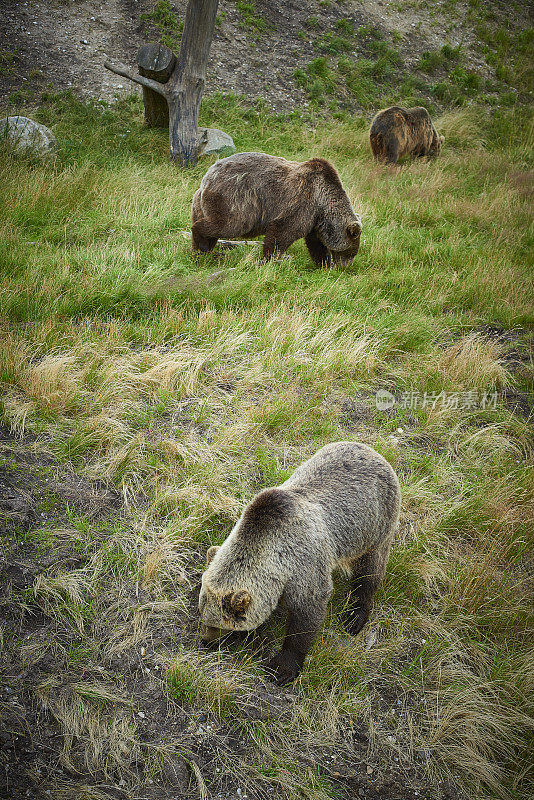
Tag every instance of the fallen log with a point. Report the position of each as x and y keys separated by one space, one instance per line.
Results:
x=226 y=244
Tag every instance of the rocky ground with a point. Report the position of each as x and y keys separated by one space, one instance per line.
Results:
x=62 y=44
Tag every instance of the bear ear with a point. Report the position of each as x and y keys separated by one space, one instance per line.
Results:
x=354 y=230
x=240 y=601
x=211 y=552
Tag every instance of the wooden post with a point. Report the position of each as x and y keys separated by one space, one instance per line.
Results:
x=182 y=92
x=199 y=25
x=157 y=62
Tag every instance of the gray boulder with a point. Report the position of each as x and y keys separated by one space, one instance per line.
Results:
x=25 y=136
x=214 y=141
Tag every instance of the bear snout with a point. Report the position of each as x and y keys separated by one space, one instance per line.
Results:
x=344 y=258
x=209 y=634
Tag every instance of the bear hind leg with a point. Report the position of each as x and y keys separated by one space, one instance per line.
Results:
x=367 y=574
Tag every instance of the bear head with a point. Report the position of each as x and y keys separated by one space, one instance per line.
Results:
x=435 y=144
x=342 y=239
x=224 y=609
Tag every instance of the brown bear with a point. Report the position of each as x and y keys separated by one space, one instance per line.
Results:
x=338 y=511
x=396 y=132
x=254 y=194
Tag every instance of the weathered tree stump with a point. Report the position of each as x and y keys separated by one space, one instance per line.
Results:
x=157 y=62
x=183 y=90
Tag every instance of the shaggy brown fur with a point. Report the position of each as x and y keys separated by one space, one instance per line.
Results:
x=254 y=194
x=397 y=132
x=338 y=511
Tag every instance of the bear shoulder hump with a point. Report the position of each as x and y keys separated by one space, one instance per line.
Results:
x=270 y=505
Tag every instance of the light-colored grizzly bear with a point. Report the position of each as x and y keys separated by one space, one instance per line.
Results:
x=254 y=194
x=396 y=132
x=339 y=510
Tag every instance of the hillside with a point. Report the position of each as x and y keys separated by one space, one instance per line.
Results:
x=147 y=394
x=334 y=55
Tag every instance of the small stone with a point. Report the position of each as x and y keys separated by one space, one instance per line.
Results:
x=215 y=142
x=141 y=714
x=370 y=770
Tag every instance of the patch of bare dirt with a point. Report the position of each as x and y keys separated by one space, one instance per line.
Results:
x=62 y=44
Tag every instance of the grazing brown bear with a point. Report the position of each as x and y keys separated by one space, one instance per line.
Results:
x=338 y=511
x=254 y=194
x=397 y=132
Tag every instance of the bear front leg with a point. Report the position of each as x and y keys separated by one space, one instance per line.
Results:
x=278 y=237
x=303 y=625
x=319 y=253
x=392 y=150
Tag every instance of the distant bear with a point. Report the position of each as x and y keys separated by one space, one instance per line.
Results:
x=339 y=510
x=397 y=132
x=250 y=194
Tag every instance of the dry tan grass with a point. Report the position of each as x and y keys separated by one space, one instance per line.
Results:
x=81 y=791
x=224 y=685
x=473 y=362
x=461 y=128
x=108 y=742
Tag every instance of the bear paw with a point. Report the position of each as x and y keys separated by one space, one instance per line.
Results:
x=284 y=667
x=355 y=619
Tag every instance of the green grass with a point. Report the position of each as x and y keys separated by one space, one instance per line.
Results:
x=251 y=19
x=366 y=64
x=122 y=355
x=350 y=80
x=8 y=58
x=163 y=18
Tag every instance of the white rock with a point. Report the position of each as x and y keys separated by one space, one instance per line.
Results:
x=214 y=141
